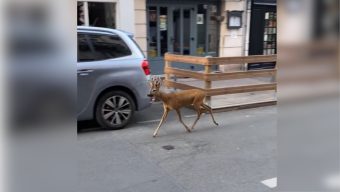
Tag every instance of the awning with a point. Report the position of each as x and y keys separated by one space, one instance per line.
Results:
x=265 y=2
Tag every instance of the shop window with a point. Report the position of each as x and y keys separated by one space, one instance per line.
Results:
x=100 y=14
x=176 y=40
x=207 y=30
x=213 y=35
x=152 y=38
x=269 y=38
x=201 y=29
x=163 y=29
x=186 y=31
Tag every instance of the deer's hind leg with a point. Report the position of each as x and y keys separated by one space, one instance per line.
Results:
x=180 y=119
x=199 y=113
x=208 y=109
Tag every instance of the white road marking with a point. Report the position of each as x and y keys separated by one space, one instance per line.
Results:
x=271 y=183
x=190 y=116
x=333 y=182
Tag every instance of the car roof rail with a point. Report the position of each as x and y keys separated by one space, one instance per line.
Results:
x=106 y=30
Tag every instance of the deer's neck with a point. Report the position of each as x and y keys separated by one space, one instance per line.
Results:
x=162 y=96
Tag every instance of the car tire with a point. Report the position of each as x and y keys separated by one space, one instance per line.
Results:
x=114 y=110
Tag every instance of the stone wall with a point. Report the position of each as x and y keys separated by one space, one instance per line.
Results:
x=140 y=24
x=234 y=42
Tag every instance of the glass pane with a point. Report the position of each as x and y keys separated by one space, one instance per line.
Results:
x=108 y=47
x=269 y=37
x=84 y=51
x=234 y=21
x=163 y=28
x=152 y=39
x=212 y=31
x=177 y=31
x=186 y=31
x=102 y=14
x=201 y=29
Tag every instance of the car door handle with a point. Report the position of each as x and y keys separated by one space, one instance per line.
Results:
x=85 y=71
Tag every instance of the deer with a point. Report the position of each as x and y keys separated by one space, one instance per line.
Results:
x=177 y=100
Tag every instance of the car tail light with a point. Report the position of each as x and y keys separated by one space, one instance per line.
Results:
x=146 y=68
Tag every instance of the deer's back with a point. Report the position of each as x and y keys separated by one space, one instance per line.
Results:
x=185 y=98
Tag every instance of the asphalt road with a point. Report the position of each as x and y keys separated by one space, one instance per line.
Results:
x=235 y=156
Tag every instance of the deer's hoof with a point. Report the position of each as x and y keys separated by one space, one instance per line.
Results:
x=154 y=136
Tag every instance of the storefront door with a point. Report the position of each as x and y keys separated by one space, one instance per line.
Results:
x=170 y=29
x=185 y=28
x=182 y=29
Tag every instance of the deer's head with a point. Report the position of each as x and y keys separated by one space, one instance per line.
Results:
x=155 y=85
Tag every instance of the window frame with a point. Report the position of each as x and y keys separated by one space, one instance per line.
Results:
x=86 y=10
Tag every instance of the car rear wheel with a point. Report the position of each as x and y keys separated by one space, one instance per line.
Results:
x=114 y=110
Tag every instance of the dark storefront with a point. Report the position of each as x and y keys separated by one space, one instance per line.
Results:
x=263 y=31
x=187 y=27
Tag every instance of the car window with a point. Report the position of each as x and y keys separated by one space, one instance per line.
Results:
x=108 y=46
x=85 y=53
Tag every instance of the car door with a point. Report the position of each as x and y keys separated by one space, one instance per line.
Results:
x=86 y=71
x=99 y=56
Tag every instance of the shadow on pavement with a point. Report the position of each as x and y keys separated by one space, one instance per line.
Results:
x=88 y=126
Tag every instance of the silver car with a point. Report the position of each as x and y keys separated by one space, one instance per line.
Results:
x=112 y=77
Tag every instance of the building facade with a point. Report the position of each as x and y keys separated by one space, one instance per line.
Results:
x=189 y=27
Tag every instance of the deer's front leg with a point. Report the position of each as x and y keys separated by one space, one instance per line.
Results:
x=199 y=113
x=180 y=119
x=165 y=114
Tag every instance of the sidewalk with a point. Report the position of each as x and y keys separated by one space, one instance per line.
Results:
x=235 y=99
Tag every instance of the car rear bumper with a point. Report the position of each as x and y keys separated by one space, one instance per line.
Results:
x=143 y=100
